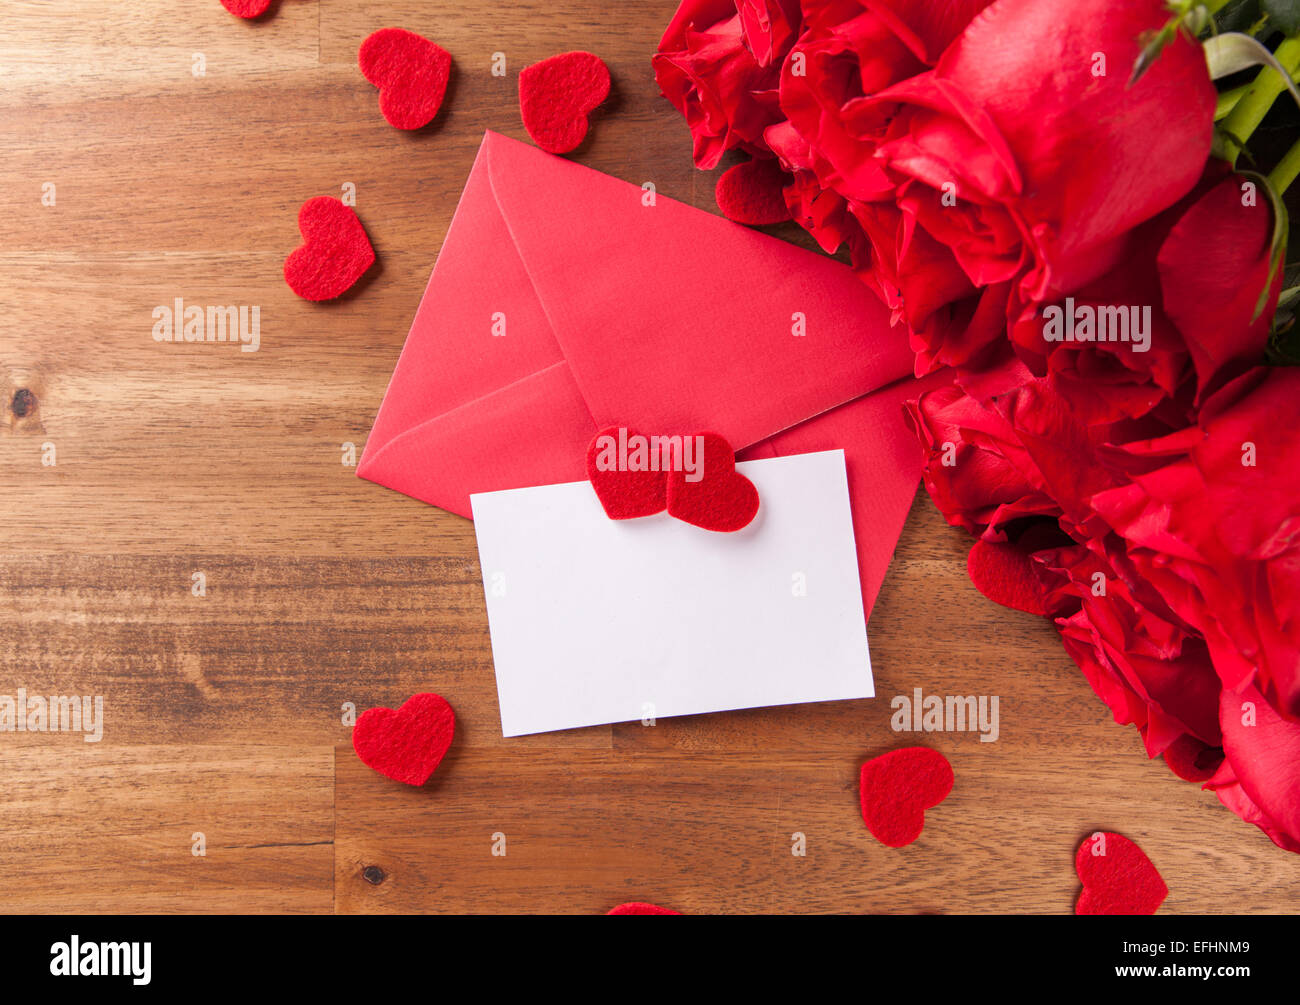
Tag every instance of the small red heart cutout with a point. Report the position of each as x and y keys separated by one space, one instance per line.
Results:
x=556 y=96
x=1117 y=877
x=1008 y=576
x=722 y=499
x=624 y=494
x=246 y=9
x=406 y=745
x=895 y=790
x=334 y=254
x=638 y=907
x=410 y=72
x=752 y=193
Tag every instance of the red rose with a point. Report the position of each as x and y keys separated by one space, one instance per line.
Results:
x=770 y=27
x=1189 y=283
x=706 y=70
x=1213 y=265
x=1031 y=109
x=1259 y=779
x=1149 y=670
x=1057 y=238
x=1002 y=445
x=977 y=472
x=850 y=49
x=825 y=215
x=1211 y=519
x=1026 y=155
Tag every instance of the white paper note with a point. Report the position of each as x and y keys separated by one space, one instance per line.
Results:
x=596 y=620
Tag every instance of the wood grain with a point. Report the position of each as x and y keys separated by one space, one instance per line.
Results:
x=94 y=828
x=223 y=713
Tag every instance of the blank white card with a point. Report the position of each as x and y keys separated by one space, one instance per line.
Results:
x=596 y=620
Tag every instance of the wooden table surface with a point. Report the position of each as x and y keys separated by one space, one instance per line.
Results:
x=223 y=712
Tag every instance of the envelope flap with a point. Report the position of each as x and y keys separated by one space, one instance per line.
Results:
x=674 y=319
x=453 y=354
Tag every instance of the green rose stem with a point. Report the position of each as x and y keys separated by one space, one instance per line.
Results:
x=1228 y=101
x=1249 y=112
x=1281 y=177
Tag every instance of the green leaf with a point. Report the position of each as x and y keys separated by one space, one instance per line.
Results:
x=1281 y=224
x=1190 y=17
x=1238 y=15
x=1233 y=52
x=1152 y=47
x=1285 y=14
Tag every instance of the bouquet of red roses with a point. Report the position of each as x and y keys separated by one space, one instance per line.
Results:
x=1053 y=200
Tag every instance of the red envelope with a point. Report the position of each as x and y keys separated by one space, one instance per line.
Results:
x=565 y=301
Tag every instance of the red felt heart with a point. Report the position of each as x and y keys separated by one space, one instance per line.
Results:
x=1117 y=877
x=246 y=8
x=896 y=789
x=638 y=907
x=625 y=495
x=556 y=96
x=410 y=72
x=1008 y=576
x=722 y=499
x=752 y=193
x=334 y=254
x=406 y=745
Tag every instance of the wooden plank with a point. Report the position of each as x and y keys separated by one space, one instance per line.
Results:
x=269 y=655
x=199 y=181
x=93 y=828
x=583 y=831
x=1004 y=840
x=107 y=49
x=710 y=832
x=197 y=443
